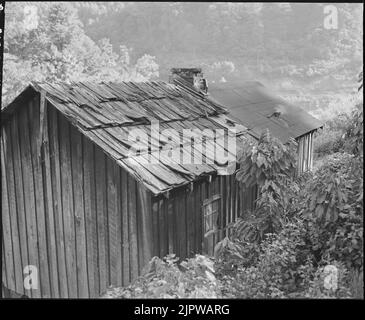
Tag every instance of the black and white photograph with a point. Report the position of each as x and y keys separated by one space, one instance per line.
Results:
x=181 y=150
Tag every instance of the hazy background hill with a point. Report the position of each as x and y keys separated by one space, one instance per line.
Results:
x=284 y=45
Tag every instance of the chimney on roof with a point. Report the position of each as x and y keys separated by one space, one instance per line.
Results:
x=190 y=76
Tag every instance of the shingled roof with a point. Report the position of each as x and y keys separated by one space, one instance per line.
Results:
x=106 y=113
x=257 y=108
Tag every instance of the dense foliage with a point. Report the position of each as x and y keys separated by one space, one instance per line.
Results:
x=320 y=230
x=271 y=166
x=282 y=44
x=282 y=267
x=343 y=129
x=341 y=132
x=261 y=38
x=47 y=42
x=169 y=278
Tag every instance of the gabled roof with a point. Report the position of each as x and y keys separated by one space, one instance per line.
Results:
x=107 y=112
x=257 y=108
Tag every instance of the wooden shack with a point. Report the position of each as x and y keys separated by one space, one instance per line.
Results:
x=86 y=213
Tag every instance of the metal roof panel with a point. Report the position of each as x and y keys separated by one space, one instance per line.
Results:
x=255 y=106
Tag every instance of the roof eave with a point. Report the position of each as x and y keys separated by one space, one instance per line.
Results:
x=28 y=92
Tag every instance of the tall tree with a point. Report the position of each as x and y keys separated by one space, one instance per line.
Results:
x=48 y=43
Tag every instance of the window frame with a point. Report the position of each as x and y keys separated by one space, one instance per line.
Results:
x=212 y=214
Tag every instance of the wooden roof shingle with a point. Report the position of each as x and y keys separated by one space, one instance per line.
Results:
x=106 y=113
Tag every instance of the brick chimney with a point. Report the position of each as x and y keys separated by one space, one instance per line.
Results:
x=189 y=76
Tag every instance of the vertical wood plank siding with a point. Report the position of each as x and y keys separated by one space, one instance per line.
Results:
x=305 y=153
x=68 y=209
x=188 y=214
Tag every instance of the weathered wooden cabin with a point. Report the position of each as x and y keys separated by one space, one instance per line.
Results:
x=87 y=213
x=258 y=108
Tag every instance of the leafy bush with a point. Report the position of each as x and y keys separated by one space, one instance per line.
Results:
x=231 y=255
x=271 y=166
x=278 y=269
x=318 y=289
x=327 y=141
x=268 y=160
x=332 y=209
x=167 y=278
x=355 y=131
x=284 y=267
x=356 y=283
x=342 y=133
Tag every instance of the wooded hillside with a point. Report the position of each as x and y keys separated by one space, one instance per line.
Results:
x=284 y=45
